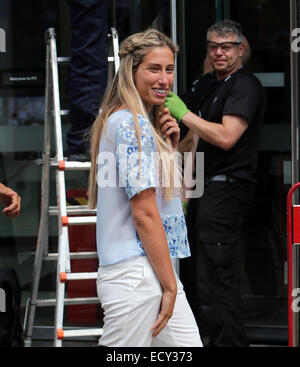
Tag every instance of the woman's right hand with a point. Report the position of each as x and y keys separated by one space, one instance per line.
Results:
x=166 y=311
x=169 y=127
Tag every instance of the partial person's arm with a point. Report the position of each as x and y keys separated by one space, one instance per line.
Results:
x=152 y=234
x=11 y=200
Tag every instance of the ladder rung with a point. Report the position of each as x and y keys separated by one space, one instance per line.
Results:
x=63 y=60
x=77 y=165
x=77 y=221
x=68 y=301
x=61 y=333
x=74 y=255
x=72 y=166
x=77 y=276
x=73 y=209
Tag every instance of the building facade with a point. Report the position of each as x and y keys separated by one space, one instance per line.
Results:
x=271 y=29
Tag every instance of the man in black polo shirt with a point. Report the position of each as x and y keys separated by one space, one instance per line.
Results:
x=228 y=131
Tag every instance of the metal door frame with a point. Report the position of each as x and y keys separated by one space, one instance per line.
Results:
x=294 y=97
x=294 y=72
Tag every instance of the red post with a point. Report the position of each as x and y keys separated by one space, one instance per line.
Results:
x=290 y=229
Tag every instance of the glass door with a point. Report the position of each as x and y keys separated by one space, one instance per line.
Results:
x=266 y=24
x=261 y=257
x=294 y=325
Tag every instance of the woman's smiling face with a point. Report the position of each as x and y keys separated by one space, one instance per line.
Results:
x=154 y=77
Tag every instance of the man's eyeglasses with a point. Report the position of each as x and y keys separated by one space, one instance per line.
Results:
x=225 y=46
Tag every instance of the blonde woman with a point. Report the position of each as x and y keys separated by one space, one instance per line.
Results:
x=140 y=224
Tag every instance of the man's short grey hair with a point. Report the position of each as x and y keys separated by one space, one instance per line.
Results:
x=226 y=27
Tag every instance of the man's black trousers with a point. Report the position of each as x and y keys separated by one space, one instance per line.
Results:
x=214 y=223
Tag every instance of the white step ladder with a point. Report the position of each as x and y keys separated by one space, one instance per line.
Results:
x=67 y=215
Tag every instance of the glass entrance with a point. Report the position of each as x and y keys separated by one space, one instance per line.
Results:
x=261 y=256
x=263 y=260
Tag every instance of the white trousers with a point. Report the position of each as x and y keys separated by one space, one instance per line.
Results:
x=130 y=295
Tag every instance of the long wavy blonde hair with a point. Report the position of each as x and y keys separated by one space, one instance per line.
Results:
x=123 y=92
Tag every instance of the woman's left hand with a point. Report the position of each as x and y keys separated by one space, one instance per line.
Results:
x=169 y=126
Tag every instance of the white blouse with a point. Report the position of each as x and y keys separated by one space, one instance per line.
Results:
x=118 y=181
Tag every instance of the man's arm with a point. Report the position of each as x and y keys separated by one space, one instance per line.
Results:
x=11 y=200
x=224 y=135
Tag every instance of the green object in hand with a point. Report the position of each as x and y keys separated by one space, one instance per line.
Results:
x=176 y=106
x=184 y=207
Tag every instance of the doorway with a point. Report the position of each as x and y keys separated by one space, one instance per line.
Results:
x=261 y=257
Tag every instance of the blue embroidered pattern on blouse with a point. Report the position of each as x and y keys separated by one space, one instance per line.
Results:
x=175 y=228
x=135 y=176
x=176 y=234
x=128 y=165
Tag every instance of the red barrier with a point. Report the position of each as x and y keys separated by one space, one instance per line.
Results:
x=293 y=236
